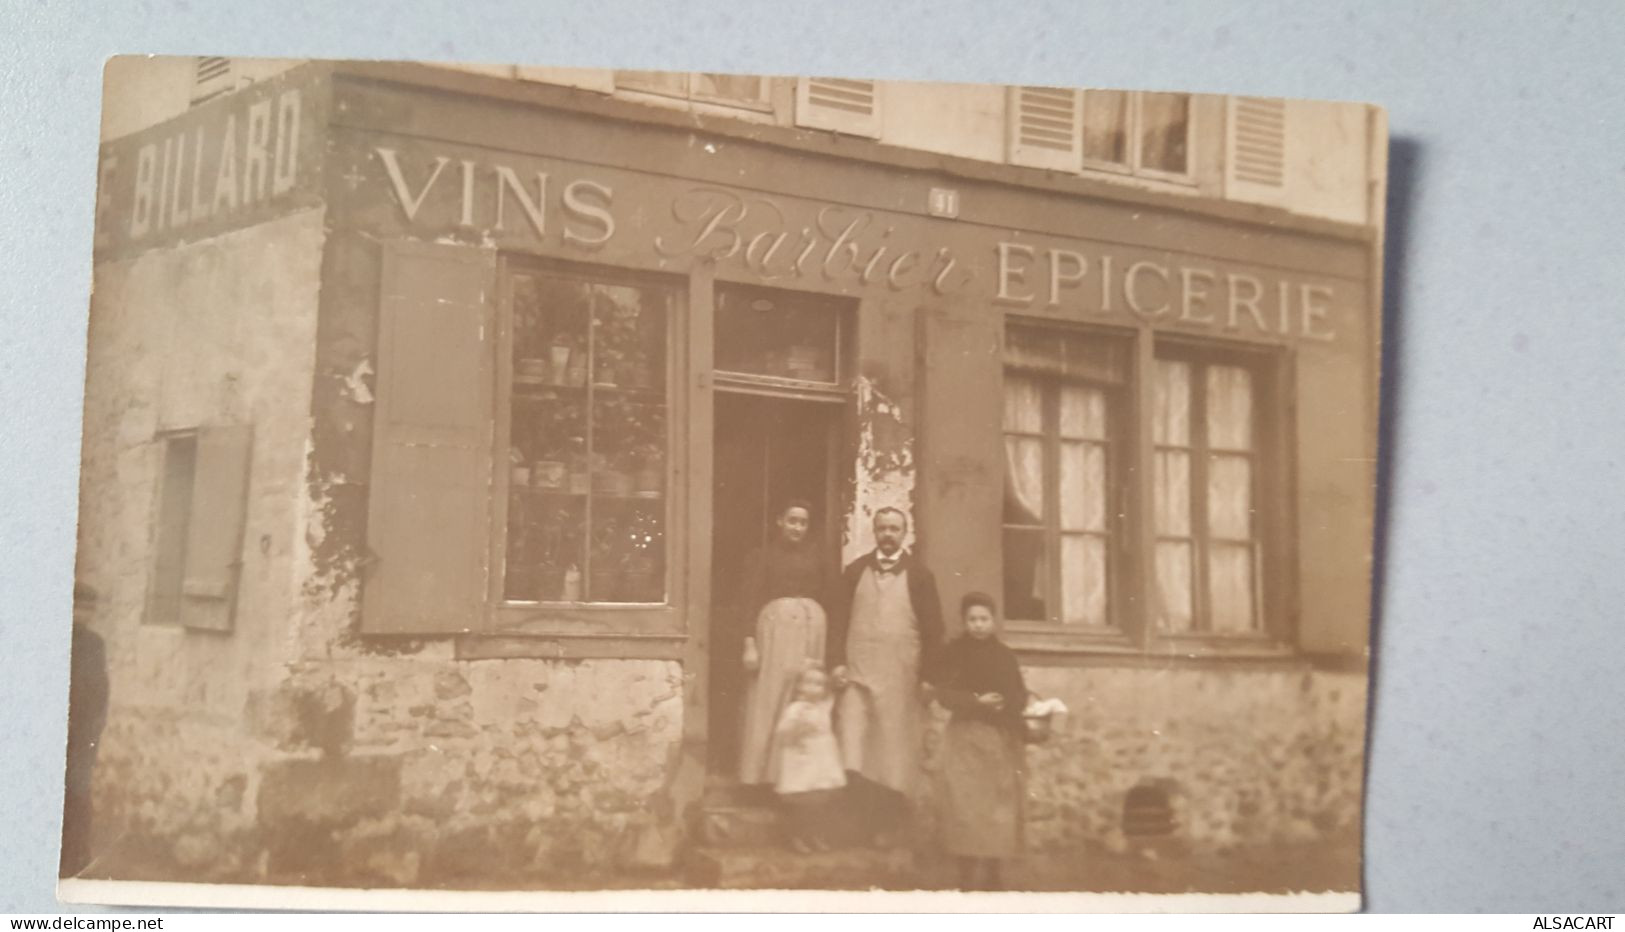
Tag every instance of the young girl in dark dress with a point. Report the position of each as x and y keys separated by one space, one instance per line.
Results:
x=979 y=681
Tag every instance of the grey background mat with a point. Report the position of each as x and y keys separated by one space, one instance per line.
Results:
x=1498 y=752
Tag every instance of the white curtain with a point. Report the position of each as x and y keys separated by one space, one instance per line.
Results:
x=1164 y=128
x=1024 y=455
x=1078 y=369
x=1024 y=466
x=1083 y=430
x=1230 y=499
x=1171 y=498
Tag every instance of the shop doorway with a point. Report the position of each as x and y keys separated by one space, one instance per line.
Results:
x=768 y=449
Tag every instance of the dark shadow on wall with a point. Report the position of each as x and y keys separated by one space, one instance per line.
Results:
x=1404 y=174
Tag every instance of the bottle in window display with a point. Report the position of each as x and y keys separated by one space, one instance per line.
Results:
x=572 y=583
x=608 y=561
x=575 y=375
x=559 y=360
x=606 y=356
x=552 y=570
x=519 y=470
x=647 y=481
x=580 y=468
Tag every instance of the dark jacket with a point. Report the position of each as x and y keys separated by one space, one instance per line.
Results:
x=922 y=594
x=968 y=667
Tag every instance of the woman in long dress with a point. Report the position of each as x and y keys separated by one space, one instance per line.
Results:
x=980 y=682
x=783 y=589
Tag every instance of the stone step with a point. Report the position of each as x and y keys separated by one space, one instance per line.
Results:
x=779 y=868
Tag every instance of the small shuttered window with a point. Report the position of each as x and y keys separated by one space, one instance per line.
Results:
x=214 y=76
x=1256 y=154
x=202 y=510
x=1045 y=127
x=839 y=104
x=429 y=507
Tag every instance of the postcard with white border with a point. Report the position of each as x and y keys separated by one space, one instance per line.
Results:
x=520 y=485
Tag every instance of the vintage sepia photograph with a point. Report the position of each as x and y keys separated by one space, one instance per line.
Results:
x=507 y=478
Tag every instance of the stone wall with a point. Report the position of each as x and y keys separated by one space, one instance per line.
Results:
x=403 y=771
x=1246 y=756
x=211 y=333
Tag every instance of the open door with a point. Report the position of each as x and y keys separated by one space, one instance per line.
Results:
x=768 y=450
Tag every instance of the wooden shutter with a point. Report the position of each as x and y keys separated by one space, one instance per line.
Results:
x=214 y=532
x=429 y=505
x=215 y=76
x=1255 y=157
x=1045 y=128
x=839 y=104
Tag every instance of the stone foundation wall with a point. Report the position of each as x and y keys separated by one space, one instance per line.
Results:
x=1245 y=756
x=405 y=772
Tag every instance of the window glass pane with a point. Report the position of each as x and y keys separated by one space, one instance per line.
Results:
x=1171 y=404
x=1229 y=497
x=1230 y=587
x=674 y=83
x=1229 y=408
x=1171 y=499
x=1083 y=487
x=760 y=331
x=586 y=513
x=1025 y=575
x=1105 y=126
x=1023 y=480
x=1174 y=585
x=742 y=87
x=174 y=521
x=1057 y=413
x=1083 y=413
x=1083 y=579
x=1071 y=357
x=1164 y=131
x=1023 y=405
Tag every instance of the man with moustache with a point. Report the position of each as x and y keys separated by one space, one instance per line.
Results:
x=884 y=634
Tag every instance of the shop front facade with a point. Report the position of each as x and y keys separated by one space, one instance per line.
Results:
x=495 y=386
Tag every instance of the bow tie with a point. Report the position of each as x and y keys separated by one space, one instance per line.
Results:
x=888 y=565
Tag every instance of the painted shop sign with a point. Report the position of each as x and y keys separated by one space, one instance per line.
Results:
x=785 y=240
x=231 y=162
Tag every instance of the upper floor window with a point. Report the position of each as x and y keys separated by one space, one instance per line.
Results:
x=733 y=90
x=1138 y=133
x=1146 y=135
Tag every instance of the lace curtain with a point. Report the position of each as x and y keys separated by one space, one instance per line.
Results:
x=1231 y=573
x=1059 y=377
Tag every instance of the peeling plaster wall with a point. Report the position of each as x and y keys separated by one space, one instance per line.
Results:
x=405 y=765
x=883 y=469
x=215 y=332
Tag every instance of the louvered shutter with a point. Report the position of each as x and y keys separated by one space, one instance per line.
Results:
x=214 y=533
x=215 y=76
x=839 y=104
x=429 y=505
x=1045 y=128
x=1255 y=157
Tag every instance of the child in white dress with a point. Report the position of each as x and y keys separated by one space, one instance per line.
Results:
x=807 y=761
